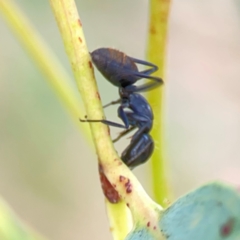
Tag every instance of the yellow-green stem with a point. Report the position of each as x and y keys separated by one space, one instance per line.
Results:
x=70 y=27
x=156 y=53
x=119 y=220
x=126 y=184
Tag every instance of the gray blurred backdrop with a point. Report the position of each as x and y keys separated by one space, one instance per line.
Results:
x=48 y=173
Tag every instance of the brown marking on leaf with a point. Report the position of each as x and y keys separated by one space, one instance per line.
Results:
x=148 y=224
x=226 y=228
x=109 y=191
x=127 y=204
x=154 y=228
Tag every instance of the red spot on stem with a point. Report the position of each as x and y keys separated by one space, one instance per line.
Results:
x=79 y=22
x=121 y=178
x=90 y=64
x=128 y=186
x=109 y=191
x=98 y=95
x=152 y=30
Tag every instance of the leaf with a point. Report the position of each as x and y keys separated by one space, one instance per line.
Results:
x=211 y=212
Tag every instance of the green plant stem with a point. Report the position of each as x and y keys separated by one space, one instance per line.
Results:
x=128 y=187
x=156 y=53
x=120 y=219
x=45 y=59
x=74 y=41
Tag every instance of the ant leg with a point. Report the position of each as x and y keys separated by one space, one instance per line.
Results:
x=146 y=86
x=146 y=74
x=144 y=129
x=121 y=115
x=133 y=119
x=153 y=68
x=109 y=123
x=156 y=81
x=122 y=134
x=112 y=103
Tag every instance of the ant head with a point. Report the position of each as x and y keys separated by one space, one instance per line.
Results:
x=119 y=69
x=98 y=57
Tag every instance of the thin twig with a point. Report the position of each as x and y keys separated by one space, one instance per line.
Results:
x=157 y=41
x=45 y=59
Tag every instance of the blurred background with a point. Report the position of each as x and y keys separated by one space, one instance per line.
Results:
x=48 y=172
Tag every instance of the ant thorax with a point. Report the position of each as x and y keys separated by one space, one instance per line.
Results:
x=125 y=102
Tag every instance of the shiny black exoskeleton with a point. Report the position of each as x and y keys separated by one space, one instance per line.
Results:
x=134 y=110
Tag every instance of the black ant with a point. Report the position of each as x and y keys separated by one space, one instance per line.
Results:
x=135 y=112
